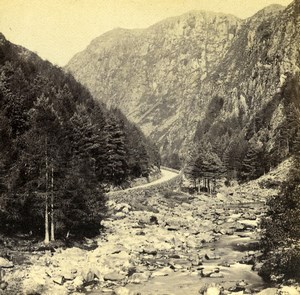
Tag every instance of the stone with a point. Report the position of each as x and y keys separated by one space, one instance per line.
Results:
x=120 y=215
x=288 y=290
x=211 y=256
x=268 y=291
x=78 y=281
x=68 y=276
x=242 y=284
x=114 y=276
x=3 y=285
x=149 y=250
x=138 y=278
x=58 y=280
x=205 y=273
x=90 y=276
x=162 y=272
x=33 y=285
x=216 y=275
x=5 y=263
x=107 y=291
x=213 y=291
x=122 y=291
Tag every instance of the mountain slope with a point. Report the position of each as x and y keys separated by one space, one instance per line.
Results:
x=155 y=75
x=195 y=72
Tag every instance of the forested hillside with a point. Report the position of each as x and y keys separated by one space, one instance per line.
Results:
x=59 y=149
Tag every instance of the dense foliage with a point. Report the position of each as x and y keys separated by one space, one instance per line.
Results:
x=281 y=225
x=281 y=230
x=59 y=149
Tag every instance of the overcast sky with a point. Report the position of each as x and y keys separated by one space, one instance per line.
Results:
x=57 y=29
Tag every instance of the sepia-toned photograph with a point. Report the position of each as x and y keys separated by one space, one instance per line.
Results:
x=149 y=147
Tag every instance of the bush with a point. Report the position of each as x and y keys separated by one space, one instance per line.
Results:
x=282 y=264
x=281 y=231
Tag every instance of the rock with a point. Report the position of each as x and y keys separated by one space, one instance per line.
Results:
x=149 y=250
x=114 y=276
x=78 y=281
x=68 y=276
x=58 y=280
x=287 y=290
x=140 y=233
x=268 y=291
x=183 y=263
x=122 y=291
x=33 y=285
x=120 y=215
x=213 y=291
x=138 y=278
x=5 y=263
x=216 y=275
x=90 y=276
x=211 y=256
x=162 y=272
x=242 y=284
x=3 y=285
x=205 y=273
x=153 y=219
x=107 y=291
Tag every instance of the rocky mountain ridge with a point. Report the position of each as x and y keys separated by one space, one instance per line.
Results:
x=165 y=77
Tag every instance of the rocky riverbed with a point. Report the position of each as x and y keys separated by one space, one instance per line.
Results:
x=165 y=243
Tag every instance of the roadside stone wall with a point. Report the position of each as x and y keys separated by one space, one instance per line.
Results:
x=137 y=193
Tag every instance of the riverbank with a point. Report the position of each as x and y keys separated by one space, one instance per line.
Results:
x=160 y=242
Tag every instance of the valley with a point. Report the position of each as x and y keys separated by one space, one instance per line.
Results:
x=162 y=160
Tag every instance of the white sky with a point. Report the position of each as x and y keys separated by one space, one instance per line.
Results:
x=57 y=29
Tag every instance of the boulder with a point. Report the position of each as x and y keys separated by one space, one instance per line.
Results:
x=114 y=276
x=34 y=285
x=58 y=280
x=288 y=290
x=78 y=281
x=5 y=263
x=213 y=290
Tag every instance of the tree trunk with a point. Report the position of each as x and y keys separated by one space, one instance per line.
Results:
x=52 y=237
x=46 y=200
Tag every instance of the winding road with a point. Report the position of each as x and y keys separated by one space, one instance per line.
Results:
x=166 y=175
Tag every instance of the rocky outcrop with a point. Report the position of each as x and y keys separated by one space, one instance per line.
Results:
x=165 y=77
x=155 y=75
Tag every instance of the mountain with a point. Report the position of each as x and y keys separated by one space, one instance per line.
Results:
x=155 y=74
x=59 y=148
x=198 y=77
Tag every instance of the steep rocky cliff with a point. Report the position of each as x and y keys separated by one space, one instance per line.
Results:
x=191 y=73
